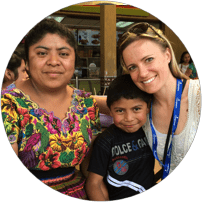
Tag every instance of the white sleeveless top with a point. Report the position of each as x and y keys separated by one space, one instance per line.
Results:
x=183 y=68
x=183 y=141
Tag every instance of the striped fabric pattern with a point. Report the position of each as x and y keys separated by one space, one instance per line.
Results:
x=126 y=183
x=71 y=185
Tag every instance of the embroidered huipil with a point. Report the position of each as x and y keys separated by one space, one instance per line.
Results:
x=44 y=141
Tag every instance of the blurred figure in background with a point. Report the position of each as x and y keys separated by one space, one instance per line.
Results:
x=191 y=71
x=185 y=60
x=187 y=66
x=15 y=70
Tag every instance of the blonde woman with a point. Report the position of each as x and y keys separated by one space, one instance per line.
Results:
x=147 y=55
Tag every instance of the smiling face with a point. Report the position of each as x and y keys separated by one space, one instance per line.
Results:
x=147 y=64
x=51 y=62
x=129 y=114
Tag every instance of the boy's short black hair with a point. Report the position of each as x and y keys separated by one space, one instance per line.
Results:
x=124 y=87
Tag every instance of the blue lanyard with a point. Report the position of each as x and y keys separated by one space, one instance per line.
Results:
x=176 y=112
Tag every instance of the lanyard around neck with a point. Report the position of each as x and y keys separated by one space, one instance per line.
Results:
x=176 y=112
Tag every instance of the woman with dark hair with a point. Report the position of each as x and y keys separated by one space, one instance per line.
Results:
x=50 y=124
x=185 y=61
x=187 y=66
x=16 y=68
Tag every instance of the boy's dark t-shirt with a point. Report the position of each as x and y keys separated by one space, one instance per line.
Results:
x=125 y=160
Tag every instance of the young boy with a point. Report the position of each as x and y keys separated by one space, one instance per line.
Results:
x=121 y=155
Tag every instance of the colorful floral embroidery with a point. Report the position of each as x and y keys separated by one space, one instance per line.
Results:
x=78 y=157
x=44 y=141
x=49 y=160
x=58 y=143
x=24 y=116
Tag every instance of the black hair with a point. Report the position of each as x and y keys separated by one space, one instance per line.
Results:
x=182 y=57
x=20 y=52
x=44 y=27
x=16 y=60
x=123 y=87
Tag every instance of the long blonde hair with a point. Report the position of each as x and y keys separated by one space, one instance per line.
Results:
x=145 y=30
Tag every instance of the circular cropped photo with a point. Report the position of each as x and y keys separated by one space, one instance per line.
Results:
x=100 y=101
